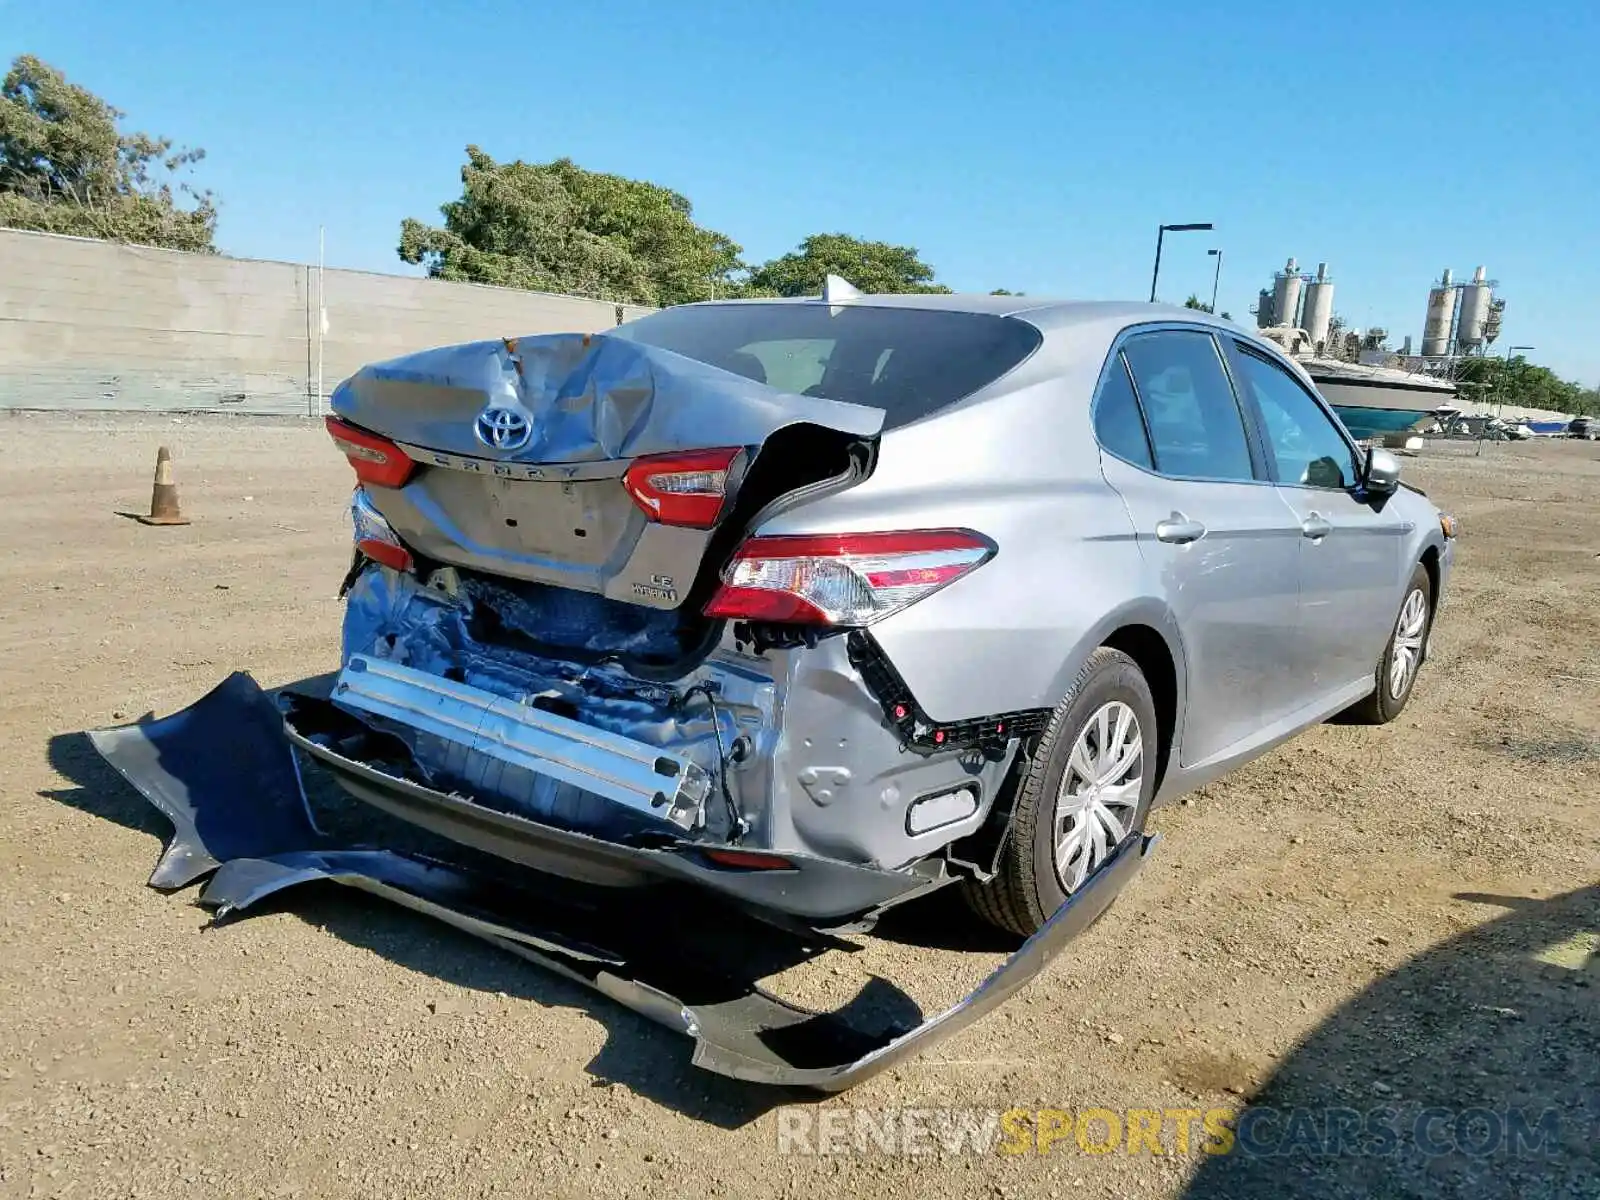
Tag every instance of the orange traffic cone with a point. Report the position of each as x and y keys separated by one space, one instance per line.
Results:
x=164 y=496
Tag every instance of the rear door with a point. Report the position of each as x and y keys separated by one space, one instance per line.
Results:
x=1350 y=550
x=1225 y=545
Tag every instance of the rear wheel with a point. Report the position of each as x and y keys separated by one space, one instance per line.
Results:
x=1397 y=668
x=1087 y=789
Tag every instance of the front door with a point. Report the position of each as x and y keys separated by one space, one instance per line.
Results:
x=1223 y=541
x=1351 y=573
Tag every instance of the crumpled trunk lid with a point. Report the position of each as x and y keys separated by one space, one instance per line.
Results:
x=522 y=447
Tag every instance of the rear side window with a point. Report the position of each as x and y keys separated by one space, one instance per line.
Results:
x=908 y=362
x=1195 y=427
x=1117 y=422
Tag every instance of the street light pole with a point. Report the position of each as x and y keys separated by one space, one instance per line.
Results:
x=1216 y=278
x=1161 y=232
x=1505 y=372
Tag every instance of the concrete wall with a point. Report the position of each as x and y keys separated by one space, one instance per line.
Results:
x=95 y=325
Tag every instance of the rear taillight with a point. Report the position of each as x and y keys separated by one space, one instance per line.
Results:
x=845 y=578
x=748 y=860
x=374 y=537
x=686 y=489
x=377 y=460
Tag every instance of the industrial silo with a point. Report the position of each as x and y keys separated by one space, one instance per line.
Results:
x=1265 y=317
x=1491 y=327
x=1318 y=310
x=1441 y=311
x=1474 y=314
x=1286 y=295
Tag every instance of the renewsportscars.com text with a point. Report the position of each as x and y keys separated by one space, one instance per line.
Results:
x=1257 y=1131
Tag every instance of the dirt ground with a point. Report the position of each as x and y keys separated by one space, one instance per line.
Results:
x=1407 y=915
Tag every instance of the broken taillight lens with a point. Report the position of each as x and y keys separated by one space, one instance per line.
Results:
x=376 y=460
x=845 y=578
x=686 y=489
x=374 y=536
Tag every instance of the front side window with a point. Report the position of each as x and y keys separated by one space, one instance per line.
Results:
x=1195 y=427
x=1306 y=444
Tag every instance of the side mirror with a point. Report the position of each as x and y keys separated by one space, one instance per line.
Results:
x=1381 y=474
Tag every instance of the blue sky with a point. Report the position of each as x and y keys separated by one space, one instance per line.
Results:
x=1034 y=147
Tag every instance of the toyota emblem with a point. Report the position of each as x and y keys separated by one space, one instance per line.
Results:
x=504 y=429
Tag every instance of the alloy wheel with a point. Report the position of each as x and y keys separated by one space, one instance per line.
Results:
x=1099 y=793
x=1408 y=634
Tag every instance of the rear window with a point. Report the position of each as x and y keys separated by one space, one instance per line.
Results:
x=908 y=362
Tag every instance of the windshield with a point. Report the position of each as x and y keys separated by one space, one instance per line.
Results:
x=907 y=362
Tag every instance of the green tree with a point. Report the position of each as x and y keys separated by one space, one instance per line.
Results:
x=870 y=266
x=1200 y=305
x=1518 y=384
x=556 y=227
x=65 y=168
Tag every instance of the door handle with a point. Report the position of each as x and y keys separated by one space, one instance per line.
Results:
x=1315 y=527
x=1179 y=530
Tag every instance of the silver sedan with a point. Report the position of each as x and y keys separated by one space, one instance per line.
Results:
x=822 y=604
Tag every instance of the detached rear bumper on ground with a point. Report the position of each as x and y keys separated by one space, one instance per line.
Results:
x=224 y=773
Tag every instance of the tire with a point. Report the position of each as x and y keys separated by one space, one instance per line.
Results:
x=1028 y=887
x=1383 y=705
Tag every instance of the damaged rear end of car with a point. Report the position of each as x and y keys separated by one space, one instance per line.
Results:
x=609 y=635
x=568 y=643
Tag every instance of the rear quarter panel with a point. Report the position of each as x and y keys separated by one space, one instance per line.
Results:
x=1019 y=464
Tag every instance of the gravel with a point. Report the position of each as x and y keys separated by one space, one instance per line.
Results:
x=1361 y=916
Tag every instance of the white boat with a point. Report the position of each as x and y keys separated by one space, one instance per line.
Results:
x=1374 y=400
x=1371 y=399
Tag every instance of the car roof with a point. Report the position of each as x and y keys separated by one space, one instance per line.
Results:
x=1043 y=312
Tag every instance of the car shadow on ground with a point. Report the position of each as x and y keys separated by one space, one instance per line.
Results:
x=639 y=1054
x=98 y=790
x=1473 y=1070
x=943 y=921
